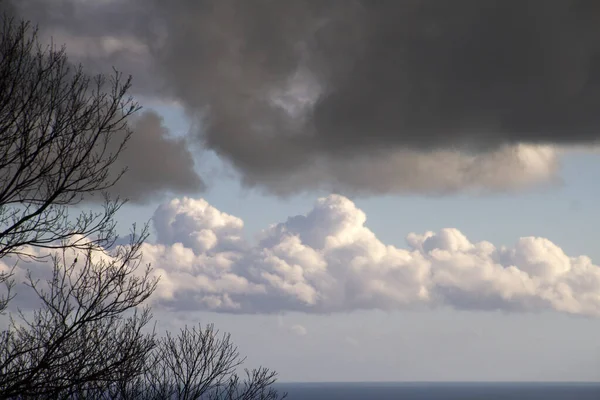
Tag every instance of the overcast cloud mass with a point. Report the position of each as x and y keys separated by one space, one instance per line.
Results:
x=156 y=163
x=328 y=261
x=359 y=96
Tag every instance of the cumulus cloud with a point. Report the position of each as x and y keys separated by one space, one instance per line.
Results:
x=328 y=261
x=354 y=95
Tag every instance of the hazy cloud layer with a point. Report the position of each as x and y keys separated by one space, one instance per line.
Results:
x=364 y=96
x=328 y=261
x=298 y=330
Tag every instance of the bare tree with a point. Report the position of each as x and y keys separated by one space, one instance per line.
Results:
x=9 y=283
x=197 y=364
x=200 y=363
x=60 y=133
x=87 y=341
x=89 y=337
x=87 y=333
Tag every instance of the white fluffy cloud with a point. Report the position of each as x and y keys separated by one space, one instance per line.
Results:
x=329 y=261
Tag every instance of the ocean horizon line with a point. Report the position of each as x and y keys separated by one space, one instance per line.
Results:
x=424 y=382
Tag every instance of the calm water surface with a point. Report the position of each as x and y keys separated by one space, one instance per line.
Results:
x=442 y=391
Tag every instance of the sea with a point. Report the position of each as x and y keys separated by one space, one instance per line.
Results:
x=441 y=391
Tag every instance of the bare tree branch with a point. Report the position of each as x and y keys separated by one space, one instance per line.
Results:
x=60 y=133
x=200 y=363
x=82 y=335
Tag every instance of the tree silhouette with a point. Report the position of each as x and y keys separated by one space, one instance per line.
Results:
x=61 y=132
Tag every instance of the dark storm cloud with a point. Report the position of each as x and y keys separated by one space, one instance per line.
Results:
x=156 y=163
x=482 y=73
x=98 y=34
x=282 y=86
x=422 y=74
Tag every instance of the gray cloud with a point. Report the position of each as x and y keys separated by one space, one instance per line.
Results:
x=293 y=90
x=156 y=163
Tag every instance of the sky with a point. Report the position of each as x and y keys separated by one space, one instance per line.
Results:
x=361 y=191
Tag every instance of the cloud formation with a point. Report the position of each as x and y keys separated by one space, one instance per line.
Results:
x=356 y=95
x=157 y=163
x=328 y=261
